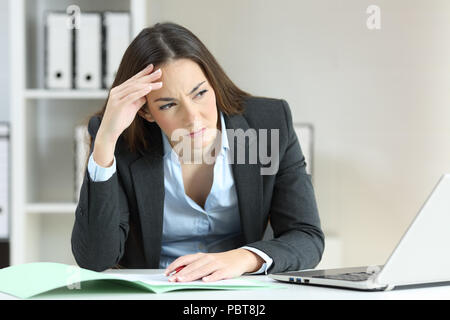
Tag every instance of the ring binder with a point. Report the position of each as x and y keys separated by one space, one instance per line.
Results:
x=88 y=53
x=116 y=26
x=58 y=51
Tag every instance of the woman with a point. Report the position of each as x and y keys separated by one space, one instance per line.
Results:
x=146 y=202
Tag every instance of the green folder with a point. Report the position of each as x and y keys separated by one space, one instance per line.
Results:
x=30 y=279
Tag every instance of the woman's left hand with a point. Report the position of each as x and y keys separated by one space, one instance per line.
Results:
x=214 y=266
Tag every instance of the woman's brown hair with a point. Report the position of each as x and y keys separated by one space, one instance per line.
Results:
x=162 y=43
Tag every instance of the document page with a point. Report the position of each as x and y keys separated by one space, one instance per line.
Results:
x=161 y=279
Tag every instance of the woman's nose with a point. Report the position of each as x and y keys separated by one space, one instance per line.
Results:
x=190 y=115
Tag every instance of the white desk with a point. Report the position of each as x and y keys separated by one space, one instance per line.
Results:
x=291 y=292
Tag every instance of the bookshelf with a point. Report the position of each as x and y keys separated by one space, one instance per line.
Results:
x=42 y=132
x=31 y=94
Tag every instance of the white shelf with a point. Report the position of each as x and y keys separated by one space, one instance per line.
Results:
x=65 y=94
x=42 y=132
x=51 y=208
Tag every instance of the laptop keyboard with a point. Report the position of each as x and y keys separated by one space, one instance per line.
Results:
x=353 y=276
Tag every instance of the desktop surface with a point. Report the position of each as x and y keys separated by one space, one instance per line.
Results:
x=106 y=291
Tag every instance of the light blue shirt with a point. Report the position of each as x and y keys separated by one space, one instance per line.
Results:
x=187 y=227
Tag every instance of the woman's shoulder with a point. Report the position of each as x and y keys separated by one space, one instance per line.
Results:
x=262 y=102
x=266 y=112
x=94 y=125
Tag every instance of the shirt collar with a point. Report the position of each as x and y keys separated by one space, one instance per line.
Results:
x=225 y=146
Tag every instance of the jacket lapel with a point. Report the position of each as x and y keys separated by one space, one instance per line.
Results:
x=248 y=181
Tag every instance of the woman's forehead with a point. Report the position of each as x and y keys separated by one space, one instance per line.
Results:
x=179 y=76
x=181 y=70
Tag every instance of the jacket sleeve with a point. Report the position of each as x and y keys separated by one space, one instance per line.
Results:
x=298 y=241
x=101 y=219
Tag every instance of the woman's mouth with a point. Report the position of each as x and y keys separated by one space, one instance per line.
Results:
x=197 y=133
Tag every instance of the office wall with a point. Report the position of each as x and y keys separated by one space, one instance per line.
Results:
x=379 y=99
x=4 y=61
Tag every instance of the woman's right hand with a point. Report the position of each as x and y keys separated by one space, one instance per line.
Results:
x=123 y=103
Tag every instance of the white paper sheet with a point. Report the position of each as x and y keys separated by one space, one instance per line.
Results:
x=161 y=279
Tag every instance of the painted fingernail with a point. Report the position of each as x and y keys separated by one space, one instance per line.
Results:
x=158 y=71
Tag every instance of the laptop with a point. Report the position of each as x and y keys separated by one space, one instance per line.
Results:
x=421 y=256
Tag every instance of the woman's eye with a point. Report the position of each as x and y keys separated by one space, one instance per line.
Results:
x=201 y=93
x=166 y=106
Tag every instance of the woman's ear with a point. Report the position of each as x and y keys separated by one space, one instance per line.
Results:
x=145 y=113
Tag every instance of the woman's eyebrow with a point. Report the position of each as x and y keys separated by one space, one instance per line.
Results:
x=171 y=99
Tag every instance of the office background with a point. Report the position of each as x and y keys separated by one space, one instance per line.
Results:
x=378 y=99
x=4 y=58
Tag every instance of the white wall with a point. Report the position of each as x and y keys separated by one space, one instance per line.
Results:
x=379 y=99
x=4 y=61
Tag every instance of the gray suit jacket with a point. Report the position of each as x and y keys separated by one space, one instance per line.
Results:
x=119 y=221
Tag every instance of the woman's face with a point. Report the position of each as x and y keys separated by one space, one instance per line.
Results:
x=185 y=101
